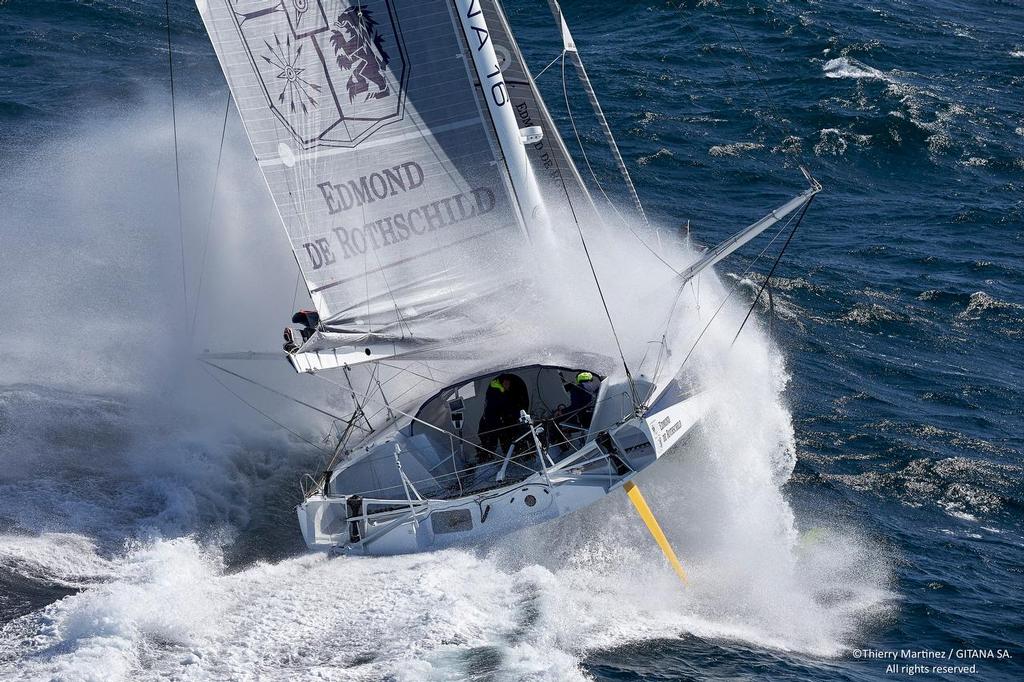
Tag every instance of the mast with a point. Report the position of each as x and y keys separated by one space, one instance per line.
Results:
x=510 y=139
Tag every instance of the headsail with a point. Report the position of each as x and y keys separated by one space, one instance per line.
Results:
x=369 y=124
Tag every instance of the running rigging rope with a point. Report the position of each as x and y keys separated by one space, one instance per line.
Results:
x=177 y=167
x=581 y=72
x=785 y=124
x=600 y=290
x=209 y=217
x=586 y=159
x=728 y=296
x=273 y=390
x=261 y=412
x=369 y=398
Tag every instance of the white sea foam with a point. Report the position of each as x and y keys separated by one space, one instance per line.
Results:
x=734 y=149
x=158 y=468
x=847 y=67
x=64 y=559
x=835 y=142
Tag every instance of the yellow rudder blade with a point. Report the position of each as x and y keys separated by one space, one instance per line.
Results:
x=652 y=525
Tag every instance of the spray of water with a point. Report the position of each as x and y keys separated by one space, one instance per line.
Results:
x=131 y=477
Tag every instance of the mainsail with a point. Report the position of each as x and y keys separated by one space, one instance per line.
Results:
x=404 y=199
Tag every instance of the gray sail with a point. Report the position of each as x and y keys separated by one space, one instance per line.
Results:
x=366 y=120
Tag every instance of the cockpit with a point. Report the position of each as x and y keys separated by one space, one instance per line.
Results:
x=487 y=432
x=488 y=419
x=491 y=431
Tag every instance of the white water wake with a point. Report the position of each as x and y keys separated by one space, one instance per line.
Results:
x=140 y=496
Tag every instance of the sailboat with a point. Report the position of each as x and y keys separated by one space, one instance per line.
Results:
x=436 y=217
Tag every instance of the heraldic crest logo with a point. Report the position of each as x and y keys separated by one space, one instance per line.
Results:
x=333 y=71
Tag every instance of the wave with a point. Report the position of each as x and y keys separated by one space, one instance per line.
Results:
x=982 y=304
x=734 y=149
x=173 y=610
x=942 y=296
x=660 y=156
x=961 y=487
x=903 y=109
x=835 y=142
x=847 y=67
x=871 y=314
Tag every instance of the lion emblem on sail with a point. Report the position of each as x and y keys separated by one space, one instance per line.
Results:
x=360 y=50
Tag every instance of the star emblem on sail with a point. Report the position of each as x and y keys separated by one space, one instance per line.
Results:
x=295 y=89
x=344 y=62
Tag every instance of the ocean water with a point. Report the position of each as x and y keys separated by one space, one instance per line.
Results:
x=860 y=489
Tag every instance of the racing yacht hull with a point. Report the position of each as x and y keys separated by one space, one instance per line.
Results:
x=354 y=525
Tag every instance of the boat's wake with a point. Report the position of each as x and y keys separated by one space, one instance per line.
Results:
x=169 y=608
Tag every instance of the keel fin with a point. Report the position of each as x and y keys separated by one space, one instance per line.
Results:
x=652 y=525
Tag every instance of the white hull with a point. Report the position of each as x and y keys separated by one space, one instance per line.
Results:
x=329 y=523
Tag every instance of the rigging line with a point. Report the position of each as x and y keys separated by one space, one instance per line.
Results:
x=403 y=325
x=593 y=272
x=407 y=370
x=550 y=64
x=264 y=414
x=595 y=104
x=340 y=449
x=360 y=412
x=209 y=217
x=602 y=121
x=729 y=73
x=586 y=159
x=679 y=293
x=732 y=291
x=177 y=166
x=764 y=89
x=391 y=413
x=771 y=272
x=757 y=75
x=295 y=293
x=271 y=390
x=414 y=418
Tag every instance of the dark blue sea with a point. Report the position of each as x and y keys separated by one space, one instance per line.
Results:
x=146 y=523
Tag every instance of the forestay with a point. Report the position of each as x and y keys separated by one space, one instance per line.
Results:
x=370 y=128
